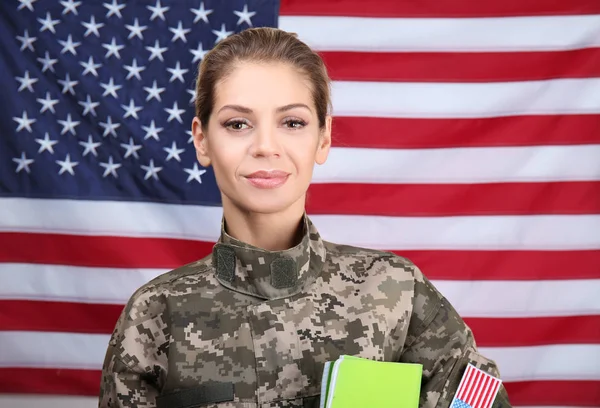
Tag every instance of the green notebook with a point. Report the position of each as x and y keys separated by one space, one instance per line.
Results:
x=357 y=382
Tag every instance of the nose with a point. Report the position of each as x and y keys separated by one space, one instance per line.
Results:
x=265 y=143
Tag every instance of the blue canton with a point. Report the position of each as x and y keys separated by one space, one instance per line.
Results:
x=457 y=403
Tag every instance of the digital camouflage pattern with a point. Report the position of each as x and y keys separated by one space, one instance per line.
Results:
x=250 y=328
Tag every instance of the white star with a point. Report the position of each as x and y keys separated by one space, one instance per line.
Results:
x=156 y=51
x=131 y=110
x=191 y=138
x=113 y=49
x=136 y=30
x=48 y=63
x=68 y=85
x=27 y=41
x=46 y=144
x=24 y=122
x=92 y=27
x=89 y=106
x=70 y=5
x=177 y=72
x=47 y=103
x=194 y=173
x=110 y=88
x=26 y=3
x=114 y=8
x=134 y=70
x=152 y=131
x=48 y=23
x=26 y=82
x=90 y=146
x=151 y=171
x=179 y=32
x=69 y=45
x=66 y=165
x=23 y=162
x=193 y=93
x=110 y=167
x=201 y=13
x=109 y=127
x=157 y=11
x=245 y=15
x=175 y=113
x=90 y=67
x=173 y=152
x=222 y=34
x=153 y=92
x=68 y=125
x=199 y=53
x=131 y=149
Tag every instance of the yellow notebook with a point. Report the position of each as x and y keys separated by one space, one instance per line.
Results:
x=358 y=382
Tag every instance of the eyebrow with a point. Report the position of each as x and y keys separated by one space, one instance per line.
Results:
x=285 y=108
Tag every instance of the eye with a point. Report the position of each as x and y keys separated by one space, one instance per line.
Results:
x=294 y=123
x=237 y=124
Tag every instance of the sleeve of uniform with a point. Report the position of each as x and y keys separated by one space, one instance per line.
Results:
x=135 y=363
x=439 y=339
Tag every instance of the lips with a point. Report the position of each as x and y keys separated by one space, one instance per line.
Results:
x=267 y=179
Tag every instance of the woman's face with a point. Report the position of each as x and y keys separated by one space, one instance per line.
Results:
x=263 y=138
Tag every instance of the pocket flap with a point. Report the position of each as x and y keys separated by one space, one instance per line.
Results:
x=204 y=394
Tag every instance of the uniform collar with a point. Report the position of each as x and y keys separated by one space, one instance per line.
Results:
x=269 y=274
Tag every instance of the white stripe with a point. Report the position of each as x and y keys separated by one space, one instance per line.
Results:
x=478 y=298
x=111 y=218
x=540 y=232
x=86 y=351
x=465 y=100
x=52 y=350
x=554 y=362
x=461 y=165
x=445 y=34
x=470 y=298
x=59 y=401
x=72 y=283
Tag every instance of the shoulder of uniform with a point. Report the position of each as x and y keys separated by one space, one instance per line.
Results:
x=368 y=256
x=171 y=281
x=341 y=250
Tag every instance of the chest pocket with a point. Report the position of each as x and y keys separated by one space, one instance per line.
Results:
x=217 y=395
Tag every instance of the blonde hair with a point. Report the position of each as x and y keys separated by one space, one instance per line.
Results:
x=263 y=44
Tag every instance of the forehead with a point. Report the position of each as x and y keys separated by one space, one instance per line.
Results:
x=263 y=85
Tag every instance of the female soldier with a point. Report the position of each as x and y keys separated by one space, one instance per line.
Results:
x=252 y=324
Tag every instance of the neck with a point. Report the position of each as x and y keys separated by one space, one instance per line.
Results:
x=272 y=232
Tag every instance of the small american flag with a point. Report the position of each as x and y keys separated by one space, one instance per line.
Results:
x=477 y=389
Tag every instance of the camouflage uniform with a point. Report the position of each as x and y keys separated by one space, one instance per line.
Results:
x=250 y=328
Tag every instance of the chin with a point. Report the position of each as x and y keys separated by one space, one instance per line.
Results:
x=264 y=205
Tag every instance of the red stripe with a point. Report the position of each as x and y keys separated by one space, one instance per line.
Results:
x=49 y=381
x=462 y=67
x=30 y=315
x=434 y=200
x=534 y=331
x=506 y=265
x=554 y=393
x=34 y=315
x=402 y=133
x=436 y=8
x=100 y=251
x=121 y=252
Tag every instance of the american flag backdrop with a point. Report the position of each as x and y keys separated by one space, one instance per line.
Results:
x=466 y=138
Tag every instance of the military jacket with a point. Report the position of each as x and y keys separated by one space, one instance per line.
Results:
x=249 y=328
